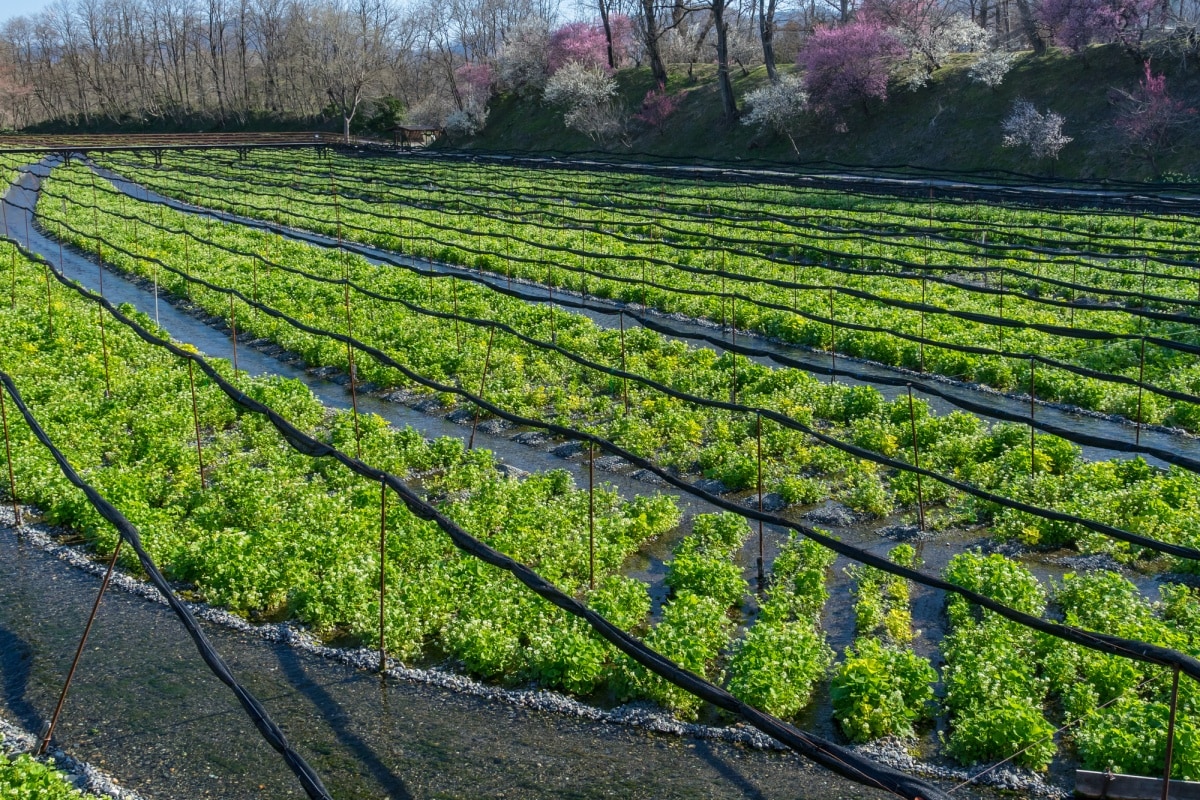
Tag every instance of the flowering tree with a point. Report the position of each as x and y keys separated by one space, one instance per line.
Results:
x=928 y=30
x=524 y=60
x=473 y=89
x=991 y=67
x=778 y=106
x=657 y=107
x=588 y=96
x=1077 y=23
x=1041 y=133
x=1149 y=117
x=581 y=42
x=848 y=65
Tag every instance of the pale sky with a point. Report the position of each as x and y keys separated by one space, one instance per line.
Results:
x=17 y=8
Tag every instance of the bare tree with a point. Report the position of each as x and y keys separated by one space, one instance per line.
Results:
x=350 y=46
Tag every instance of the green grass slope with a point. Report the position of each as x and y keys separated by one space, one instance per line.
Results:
x=953 y=123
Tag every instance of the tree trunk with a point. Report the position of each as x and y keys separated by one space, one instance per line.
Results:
x=608 y=39
x=766 y=31
x=728 y=104
x=1030 y=28
x=651 y=36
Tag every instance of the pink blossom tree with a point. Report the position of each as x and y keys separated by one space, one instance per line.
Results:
x=657 y=107
x=578 y=41
x=1149 y=117
x=848 y=65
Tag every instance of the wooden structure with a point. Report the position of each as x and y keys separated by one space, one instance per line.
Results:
x=408 y=136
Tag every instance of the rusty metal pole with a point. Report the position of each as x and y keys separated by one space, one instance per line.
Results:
x=624 y=379
x=12 y=482
x=761 y=574
x=912 y=420
x=382 y=573
x=87 y=629
x=196 y=420
x=1032 y=401
x=350 y=364
x=187 y=262
x=104 y=350
x=1137 y=436
x=49 y=302
x=454 y=294
x=832 y=341
x=1000 y=328
x=1166 y=790
x=233 y=326
x=592 y=515
x=922 y=342
x=487 y=360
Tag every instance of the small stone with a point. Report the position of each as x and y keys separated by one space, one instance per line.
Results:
x=567 y=449
x=509 y=471
x=531 y=438
x=711 y=486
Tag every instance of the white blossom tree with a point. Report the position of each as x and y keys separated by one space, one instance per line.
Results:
x=587 y=94
x=779 y=107
x=1025 y=126
x=991 y=67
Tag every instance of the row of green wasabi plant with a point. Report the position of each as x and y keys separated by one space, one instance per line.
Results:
x=537 y=382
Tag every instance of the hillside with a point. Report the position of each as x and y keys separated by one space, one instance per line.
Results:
x=952 y=124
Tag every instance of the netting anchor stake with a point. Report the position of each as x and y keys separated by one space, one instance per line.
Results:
x=12 y=482
x=87 y=629
x=912 y=420
x=487 y=360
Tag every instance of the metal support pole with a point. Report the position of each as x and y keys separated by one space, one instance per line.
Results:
x=196 y=420
x=1032 y=402
x=922 y=342
x=1137 y=436
x=1166 y=792
x=624 y=380
x=487 y=360
x=233 y=325
x=49 y=302
x=104 y=350
x=382 y=573
x=592 y=515
x=353 y=371
x=912 y=420
x=761 y=573
x=454 y=295
x=832 y=341
x=87 y=629
x=12 y=482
